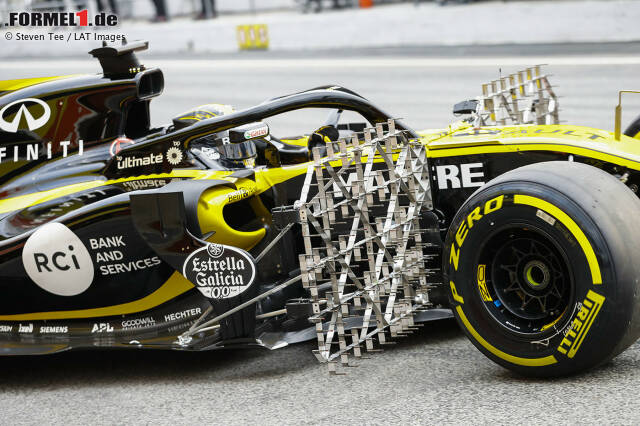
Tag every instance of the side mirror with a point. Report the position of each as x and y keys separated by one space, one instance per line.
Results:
x=239 y=151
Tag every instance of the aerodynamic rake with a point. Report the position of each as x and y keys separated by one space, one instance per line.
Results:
x=525 y=97
x=364 y=260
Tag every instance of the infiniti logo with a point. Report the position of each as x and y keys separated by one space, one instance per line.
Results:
x=32 y=123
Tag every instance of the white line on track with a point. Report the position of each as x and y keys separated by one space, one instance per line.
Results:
x=357 y=62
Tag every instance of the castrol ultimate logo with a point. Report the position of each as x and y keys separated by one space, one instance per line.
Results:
x=220 y=271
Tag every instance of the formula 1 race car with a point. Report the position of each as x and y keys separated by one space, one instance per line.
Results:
x=211 y=232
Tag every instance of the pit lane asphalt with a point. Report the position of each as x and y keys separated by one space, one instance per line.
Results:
x=434 y=376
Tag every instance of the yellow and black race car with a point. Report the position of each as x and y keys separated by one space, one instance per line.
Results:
x=192 y=236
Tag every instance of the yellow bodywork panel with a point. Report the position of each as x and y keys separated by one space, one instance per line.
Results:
x=302 y=141
x=214 y=200
x=577 y=140
x=9 y=85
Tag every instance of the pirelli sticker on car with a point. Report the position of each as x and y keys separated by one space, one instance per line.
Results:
x=241 y=194
x=220 y=271
x=579 y=327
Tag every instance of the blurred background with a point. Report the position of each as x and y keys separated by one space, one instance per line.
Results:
x=145 y=9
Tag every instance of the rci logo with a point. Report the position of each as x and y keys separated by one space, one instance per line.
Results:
x=32 y=122
x=57 y=261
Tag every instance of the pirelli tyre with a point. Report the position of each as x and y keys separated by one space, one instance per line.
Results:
x=543 y=265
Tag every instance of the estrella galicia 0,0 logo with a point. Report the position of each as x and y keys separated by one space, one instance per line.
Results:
x=220 y=271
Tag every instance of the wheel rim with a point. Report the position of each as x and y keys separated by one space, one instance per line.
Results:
x=528 y=280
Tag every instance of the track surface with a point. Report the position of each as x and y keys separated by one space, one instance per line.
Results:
x=434 y=376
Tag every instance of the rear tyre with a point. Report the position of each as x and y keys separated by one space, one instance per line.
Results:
x=542 y=268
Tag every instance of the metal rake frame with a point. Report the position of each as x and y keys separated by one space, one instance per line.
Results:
x=386 y=287
x=524 y=97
